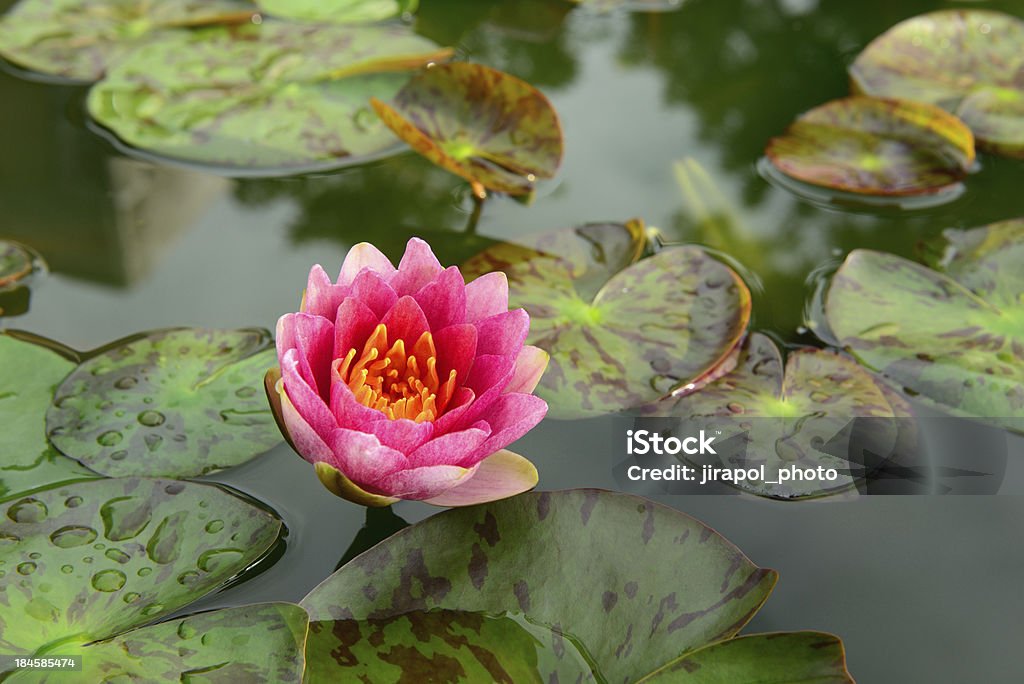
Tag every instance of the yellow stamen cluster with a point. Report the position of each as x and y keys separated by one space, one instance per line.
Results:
x=397 y=383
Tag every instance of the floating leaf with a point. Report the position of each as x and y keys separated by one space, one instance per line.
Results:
x=953 y=338
x=966 y=61
x=337 y=11
x=89 y=560
x=172 y=403
x=29 y=373
x=786 y=658
x=81 y=39
x=262 y=98
x=648 y=582
x=874 y=146
x=620 y=332
x=479 y=123
x=441 y=645
x=17 y=263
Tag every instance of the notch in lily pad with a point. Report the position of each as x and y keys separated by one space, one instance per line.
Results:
x=492 y=129
x=621 y=331
x=966 y=61
x=876 y=146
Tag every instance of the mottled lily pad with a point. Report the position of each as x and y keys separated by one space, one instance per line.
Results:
x=875 y=146
x=89 y=560
x=786 y=415
x=269 y=98
x=621 y=332
x=648 y=583
x=171 y=403
x=337 y=11
x=80 y=39
x=966 y=61
x=29 y=373
x=953 y=338
x=442 y=645
x=490 y=128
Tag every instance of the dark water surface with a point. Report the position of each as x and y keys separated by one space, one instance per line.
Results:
x=921 y=588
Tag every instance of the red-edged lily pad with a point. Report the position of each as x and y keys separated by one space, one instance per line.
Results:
x=488 y=127
x=875 y=146
x=966 y=61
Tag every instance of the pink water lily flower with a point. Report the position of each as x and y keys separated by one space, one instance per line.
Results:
x=408 y=383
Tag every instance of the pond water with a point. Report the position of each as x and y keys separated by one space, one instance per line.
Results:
x=921 y=588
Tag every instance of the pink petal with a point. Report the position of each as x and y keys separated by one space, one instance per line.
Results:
x=372 y=289
x=406 y=322
x=530 y=366
x=511 y=416
x=362 y=458
x=403 y=435
x=303 y=437
x=490 y=371
x=422 y=483
x=460 y=404
x=347 y=411
x=355 y=321
x=504 y=333
x=499 y=476
x=322 y=296
x=486 y=296
x=452 y=448
x=364 y=255
x=312 y=337
x=306 y=402
x=444 y=299
x=418 y=267
x=456 y=349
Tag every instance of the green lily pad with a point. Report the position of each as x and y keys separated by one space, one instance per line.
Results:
x=171 y=403
x=29 y=373
x=620 y=332
x=17 y=263
x=874 y=146
x=268 y=98
x=787 y=416
x=337 y=11
x=81 y=39
x=442 y=645
x=786 y=658
x=89 y=560
x=484 y=125
x=647 y=582
x=951 y=339
x=966 y=61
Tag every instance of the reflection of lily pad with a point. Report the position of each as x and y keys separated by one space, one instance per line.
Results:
x=337 y=11
x=88 y=560
x=80 y=39
x=874 y=146
x=648 y=582
x=620 y=332
x=472 y=647
x=786 y=416
x=966 y=61
x=953 y=338
x=277 y=96
x=479 y=123
x=173 y=403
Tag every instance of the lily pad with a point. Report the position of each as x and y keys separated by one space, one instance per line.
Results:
x=953 y=338
x=80 y=39
x=484 y=125
x=442 y=645
x=789 y=415
x=17 y=263
x=29 y=373
x=268 y=98
x=170 y=403
x=89 y=560
x=966 y=61
x=337 y=11
x=648 y=583
x=874 y=146
x=621 y=332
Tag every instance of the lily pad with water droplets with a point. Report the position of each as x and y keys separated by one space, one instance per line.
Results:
x=90 y=560
x=621 y=331
x=80 y=39
x=966 y=61
x=337 y=11
x=953 y=337
x=648 y=582
x=278 y=97
x=171 y=403
x=484 y=125
x=875 y=146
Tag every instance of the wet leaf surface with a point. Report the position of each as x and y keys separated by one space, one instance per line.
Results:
x=442 y=645
x=966 y=61
x=277 y=97
x=875 y=146
x=171 y=403
x=337 y=11
x=620 y=332
x=479 y=123
x=89 y=560
x=647 y=582
x=81 y=39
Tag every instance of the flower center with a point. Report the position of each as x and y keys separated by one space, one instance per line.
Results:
x=397 y=383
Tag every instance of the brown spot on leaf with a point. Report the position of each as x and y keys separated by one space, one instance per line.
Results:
x=477 y=566
x=488 y=529
x=522 y=592
x=608 y=600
